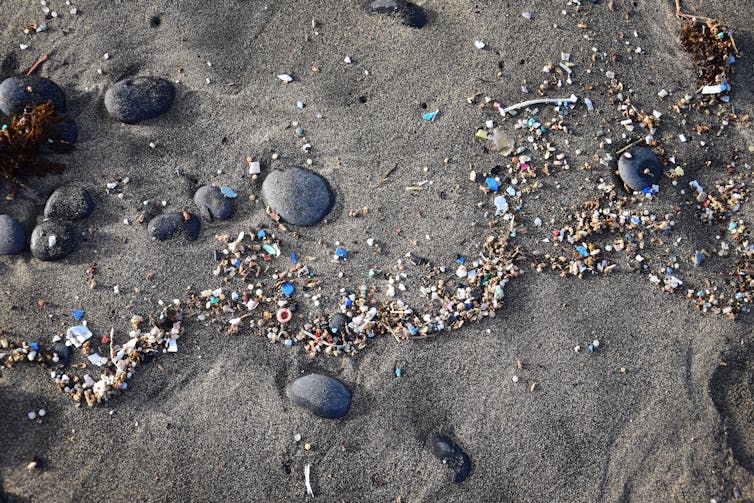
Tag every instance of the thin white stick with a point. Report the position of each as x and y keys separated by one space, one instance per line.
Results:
x=307 y=472
x=540 y=101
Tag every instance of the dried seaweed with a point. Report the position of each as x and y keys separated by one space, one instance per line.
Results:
x=22 y=145
x=711 y=45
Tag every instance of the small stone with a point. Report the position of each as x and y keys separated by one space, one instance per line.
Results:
x=53 y=240
x=212 y=203
x=450 y=454
x=322 y=395
x=640 y=168
x=63 y=352
x=170 y=225
x=410 y=14
x=69 y=203
x=12 y=236
x=299 y=196
x=338 y=323
x=16 y=93
x=139 y=98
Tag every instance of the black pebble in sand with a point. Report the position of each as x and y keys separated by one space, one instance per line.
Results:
x=139 y=98
x=212 y=203
x=411 y=14
x=63 y=352
x=640 y=168
x=323 y=395
x=16 y=93
x=12 y=236
x=170 y=225
x=53 y=240
x=451 y=455
x=69 y=203
x=338 y=323
x=63 y=135
x=299 y=196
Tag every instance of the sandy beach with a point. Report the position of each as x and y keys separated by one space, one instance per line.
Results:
x=618 y=365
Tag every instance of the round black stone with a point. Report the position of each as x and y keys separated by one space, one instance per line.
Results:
x=212 y=203
x=339 y=323
x=54 y=240
x=12 y=236
x=322 y=395
x=171 y=225
x=139 y=98
x=299 y=196
x=64 y=353
x=451 y=455
x=16 y=93
x=640 y=168
x=410 y=14
x=69 y=203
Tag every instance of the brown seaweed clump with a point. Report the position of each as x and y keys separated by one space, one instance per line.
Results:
x=712 y=47
x=22 y=144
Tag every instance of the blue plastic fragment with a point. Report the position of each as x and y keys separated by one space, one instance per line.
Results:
x=294 y=258
x=590 y=348
x=430 y=116
x=398 y=372
x=261 y=234
x=341 y=253
x=288 y=289
x=370 y=334
x=228 y=192
x=299 y=131
x=492 y=184
x=78 y=314
x=511 y=191
x=460 y=260
x=34 y=346
x=635 y=219
x=583 y=251
x=300 y=104
x=289 y=342
x=348 y=302
x=237 y=263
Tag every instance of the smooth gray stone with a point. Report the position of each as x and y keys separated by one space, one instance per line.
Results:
x=16 y=93
x=410 y=14
x=322 y=395
x=212 y=203
x=69 y=203
x=171 y=225
x=66 y=240
x=139 y=98
x=12 y=236
x=299 y=196
x=451 y=455
x=641 y=170
x=339 y=323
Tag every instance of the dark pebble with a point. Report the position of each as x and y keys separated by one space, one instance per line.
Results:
x=63 y=352
x=410 y=14
x=170 y=225
x=451 y=455
x=338 y=323
x=139 y=98
x=69 y=203
x=323 y=395
x=66 y=240
x=12 y=236
x=16 y=93
x=299 y=196
x=641 y=170
x=212 y=203
x=63 y=135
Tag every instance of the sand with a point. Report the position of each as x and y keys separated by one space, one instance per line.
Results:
x=652 y=415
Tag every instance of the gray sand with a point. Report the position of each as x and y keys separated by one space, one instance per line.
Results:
x=212 y=422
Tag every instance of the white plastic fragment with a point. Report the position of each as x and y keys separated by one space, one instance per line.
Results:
x=78 y=335
x=52 y=240
x=554 y=101
x=589 y=104
x=479 y=44
x=307 y=479
x=501 y=204
x=662 y=93
x=255 y=168
x=285 y=78
x=97 y=359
